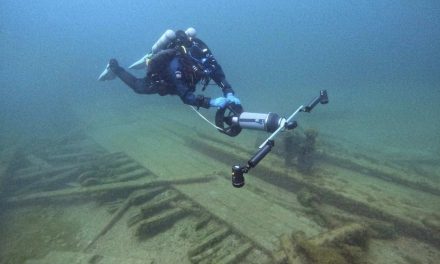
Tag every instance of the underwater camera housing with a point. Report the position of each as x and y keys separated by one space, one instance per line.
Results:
x=232 y=119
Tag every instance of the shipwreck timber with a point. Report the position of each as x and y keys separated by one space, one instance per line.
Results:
x=342 y=207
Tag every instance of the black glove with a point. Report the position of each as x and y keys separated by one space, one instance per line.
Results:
x=114 y=65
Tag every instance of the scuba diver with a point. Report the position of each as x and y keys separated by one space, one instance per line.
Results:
x=177 y=63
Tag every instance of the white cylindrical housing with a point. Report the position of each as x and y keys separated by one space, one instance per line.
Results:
x=252 y=120
x=268 y=122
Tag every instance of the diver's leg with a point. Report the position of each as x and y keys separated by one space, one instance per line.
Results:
x=139 y=85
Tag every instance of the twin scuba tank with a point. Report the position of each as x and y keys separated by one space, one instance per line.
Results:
x=167 y=37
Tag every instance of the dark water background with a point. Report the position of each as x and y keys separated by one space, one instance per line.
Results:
x=379 y=60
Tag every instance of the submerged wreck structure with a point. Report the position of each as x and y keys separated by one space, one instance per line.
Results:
x=106 y=197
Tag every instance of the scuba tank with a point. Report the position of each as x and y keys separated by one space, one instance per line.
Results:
x=167 y=37
x=191 y=32
x=163 y=41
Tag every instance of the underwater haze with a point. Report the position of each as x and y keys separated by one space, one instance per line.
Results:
x=378 y=60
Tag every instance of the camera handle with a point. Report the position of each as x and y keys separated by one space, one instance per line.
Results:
x=238 y=171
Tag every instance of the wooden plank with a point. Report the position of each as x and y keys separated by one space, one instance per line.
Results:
x=168 y=156
x=209 y=241
x=93 y=190
x=176 y=151
x=84 y=258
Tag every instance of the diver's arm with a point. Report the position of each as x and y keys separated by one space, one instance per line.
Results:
x=139 y=85
x=215 y=70
x=219 y=78
x=189 y=98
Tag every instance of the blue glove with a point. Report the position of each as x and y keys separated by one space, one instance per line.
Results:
x=233 y=99
x=219 y=102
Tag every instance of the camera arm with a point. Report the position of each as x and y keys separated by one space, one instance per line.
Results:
x=238 y=171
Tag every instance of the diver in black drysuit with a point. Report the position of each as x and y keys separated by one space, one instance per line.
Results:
x=177 y=70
